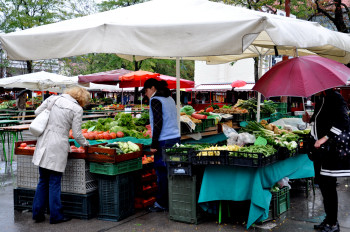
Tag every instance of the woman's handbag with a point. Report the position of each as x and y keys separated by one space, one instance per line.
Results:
x=341 y=143
x=38 y=125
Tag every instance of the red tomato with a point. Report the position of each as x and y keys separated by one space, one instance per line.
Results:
x=73 y=147
x=100 y=136
x=108 y=136
x=23 y=145
x=120 y=134
x=90 y=136
x=84 y=130
x=114 y=135
x=85 y=135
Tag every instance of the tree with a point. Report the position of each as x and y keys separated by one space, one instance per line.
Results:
x=337 y=12
x=23 y=14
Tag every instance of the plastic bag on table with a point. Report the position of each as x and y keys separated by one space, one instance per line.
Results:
x=228 y=131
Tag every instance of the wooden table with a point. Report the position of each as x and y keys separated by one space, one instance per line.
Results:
x=9 y=134
x=26 y=116
x=93 y=116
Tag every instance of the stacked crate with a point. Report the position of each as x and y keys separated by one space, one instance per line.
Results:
x=146 y=187
x=116 y=181
x=79 y=187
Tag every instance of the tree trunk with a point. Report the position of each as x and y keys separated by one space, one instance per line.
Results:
x=256 y=69
x=29 y=66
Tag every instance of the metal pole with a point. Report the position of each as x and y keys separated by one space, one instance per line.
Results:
x=178 y=90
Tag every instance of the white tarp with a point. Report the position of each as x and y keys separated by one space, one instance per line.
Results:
x=39 y=81
x=247 y=87
x=108 y=88
x=213 y=87
x=194 y=29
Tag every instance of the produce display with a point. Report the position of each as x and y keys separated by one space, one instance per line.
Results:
x=147 y=159
x=231 y=110
x=268 y=107
x=8 y=104
x=122 y=147
x=26 y=146
x=122 y=125
x=273 y=134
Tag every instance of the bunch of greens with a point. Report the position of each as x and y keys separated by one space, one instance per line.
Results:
x=143 y=120
x=269 y=107
x=125 y=120
x=226 y=106
x=266 y=150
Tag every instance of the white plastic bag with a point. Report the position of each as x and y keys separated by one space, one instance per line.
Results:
x=284 y=182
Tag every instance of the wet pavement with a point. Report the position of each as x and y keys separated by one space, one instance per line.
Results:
x=305 y=211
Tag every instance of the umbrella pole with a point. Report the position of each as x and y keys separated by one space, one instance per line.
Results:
x=178 y=91
x=259 y=94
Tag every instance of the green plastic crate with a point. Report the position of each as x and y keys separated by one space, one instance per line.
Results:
x=116 y=196
x=200 y=127
x=116 y=169
x=280 y=203
x=183 y=197
x=281 y=107
x=209 y=122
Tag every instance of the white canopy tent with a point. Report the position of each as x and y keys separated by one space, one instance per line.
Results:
x=204 y=30
x=39 y=81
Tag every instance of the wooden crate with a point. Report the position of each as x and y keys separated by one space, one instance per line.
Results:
x=109 y=155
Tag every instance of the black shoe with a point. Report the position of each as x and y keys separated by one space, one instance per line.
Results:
x=39 y=219
x=320 y=226
x=329 y=228
x=64 y=219
x=156 y=209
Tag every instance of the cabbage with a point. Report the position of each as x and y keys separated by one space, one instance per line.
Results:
x=187 y=110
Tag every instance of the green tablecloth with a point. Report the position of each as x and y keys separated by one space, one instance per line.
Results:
x=208 y=139
x=242 y=183
x=124 y=139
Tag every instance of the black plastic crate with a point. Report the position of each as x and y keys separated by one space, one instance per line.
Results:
x=209 y=157
x=239 y=117
x=116 y=195
x=82 y=206
x=183 y=198
x=248 y=159
x=177 y=154
x=284 y=153
x=179 y=168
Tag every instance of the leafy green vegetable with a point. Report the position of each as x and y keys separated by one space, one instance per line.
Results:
x=144 y=120
x=187 y=110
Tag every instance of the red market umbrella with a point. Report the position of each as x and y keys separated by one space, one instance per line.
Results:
x=172 y=82
x=302 y=77
x=136 y=78
x=238 y=83
x=108 y=77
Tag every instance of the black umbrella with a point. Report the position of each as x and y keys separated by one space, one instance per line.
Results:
x=22 y=92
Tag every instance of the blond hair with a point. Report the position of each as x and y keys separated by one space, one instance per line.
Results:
x=80 y=94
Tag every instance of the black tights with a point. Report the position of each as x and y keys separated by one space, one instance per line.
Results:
x=328 y=187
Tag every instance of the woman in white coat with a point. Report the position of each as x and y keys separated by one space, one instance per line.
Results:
x=52 y=150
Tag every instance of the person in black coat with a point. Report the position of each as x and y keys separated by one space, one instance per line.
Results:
x=329 y=119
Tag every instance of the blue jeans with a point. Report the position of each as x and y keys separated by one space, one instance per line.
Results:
x=49 y=187
x=162 y=172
